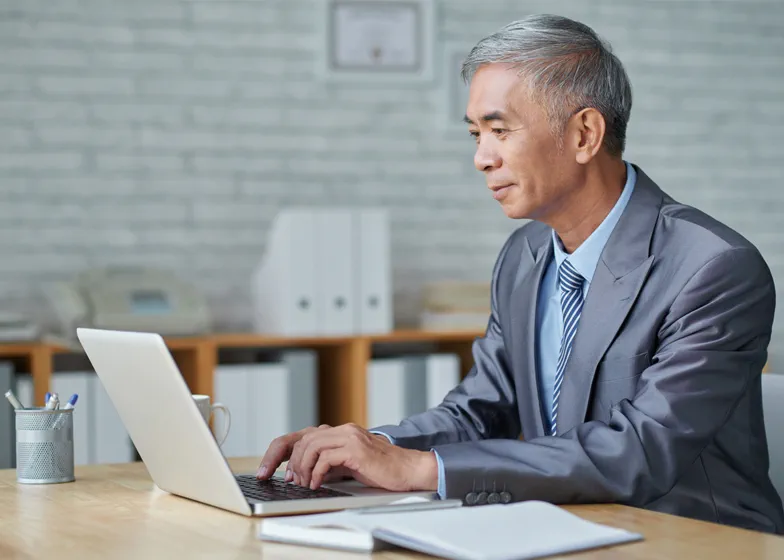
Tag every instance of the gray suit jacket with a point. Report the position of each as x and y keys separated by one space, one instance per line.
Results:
x=661 y=404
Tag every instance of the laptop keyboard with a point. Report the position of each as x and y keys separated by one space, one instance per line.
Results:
x=276 y=489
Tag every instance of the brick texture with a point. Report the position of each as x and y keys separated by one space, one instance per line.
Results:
x=169 y=133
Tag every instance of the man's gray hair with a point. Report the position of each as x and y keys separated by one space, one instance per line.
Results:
x=568 y=68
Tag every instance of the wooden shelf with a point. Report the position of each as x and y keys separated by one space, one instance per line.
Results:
x=342 y=362
x=250 y=340
x=425 y=336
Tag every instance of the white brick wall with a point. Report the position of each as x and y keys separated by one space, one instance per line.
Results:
x=169 y=133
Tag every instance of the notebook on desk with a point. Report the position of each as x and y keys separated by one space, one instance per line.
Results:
x=516 y=531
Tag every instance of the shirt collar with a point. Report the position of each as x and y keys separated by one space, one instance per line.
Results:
x=586 y=256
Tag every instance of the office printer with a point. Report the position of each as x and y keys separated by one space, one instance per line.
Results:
x=129 y=298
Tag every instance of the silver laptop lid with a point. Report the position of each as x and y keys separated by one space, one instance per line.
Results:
x=155 y=405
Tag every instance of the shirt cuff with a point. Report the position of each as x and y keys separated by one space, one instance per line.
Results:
x=391 y=440
x=441 y=477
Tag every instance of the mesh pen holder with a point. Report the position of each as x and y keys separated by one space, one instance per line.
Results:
x=44 y=446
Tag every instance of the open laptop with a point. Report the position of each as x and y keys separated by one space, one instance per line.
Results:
x=177 y=446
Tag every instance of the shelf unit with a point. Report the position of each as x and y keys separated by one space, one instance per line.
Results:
x=342 y=362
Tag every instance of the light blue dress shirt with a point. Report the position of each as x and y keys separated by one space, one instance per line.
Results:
x=549 y=319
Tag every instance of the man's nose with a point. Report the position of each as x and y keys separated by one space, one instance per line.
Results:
x=486 y=159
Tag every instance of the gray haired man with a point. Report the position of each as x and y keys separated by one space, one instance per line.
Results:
x=628 y=331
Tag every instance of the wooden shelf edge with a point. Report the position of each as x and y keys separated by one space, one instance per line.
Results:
x=239 y=340
x=415 y=335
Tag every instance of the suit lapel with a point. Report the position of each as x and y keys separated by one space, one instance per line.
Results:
x=524 y=297
x=609 y=301
x=620 y=274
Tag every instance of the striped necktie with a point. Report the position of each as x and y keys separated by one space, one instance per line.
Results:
x=571 y=284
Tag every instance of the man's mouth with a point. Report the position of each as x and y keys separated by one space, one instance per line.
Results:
x=500 y=191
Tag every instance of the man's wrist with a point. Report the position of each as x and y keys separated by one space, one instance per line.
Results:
x=425 y=471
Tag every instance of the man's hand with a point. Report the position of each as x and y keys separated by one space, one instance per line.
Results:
x=319 y=454
x=280 y=450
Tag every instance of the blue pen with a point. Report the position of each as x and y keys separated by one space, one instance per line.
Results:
x=47 y=397
x=71 y=402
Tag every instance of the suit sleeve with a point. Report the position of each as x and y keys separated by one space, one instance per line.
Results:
x=482 y=406
x=711 y=344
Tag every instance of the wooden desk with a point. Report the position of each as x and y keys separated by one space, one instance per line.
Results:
x=115 y=512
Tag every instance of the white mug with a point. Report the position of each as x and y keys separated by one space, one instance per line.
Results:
x=207 y=410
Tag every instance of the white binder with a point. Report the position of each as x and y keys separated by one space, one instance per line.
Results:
x=266 y=400
x=283 y=286
x=271 y=405
x=302 y=367
x=443 y=375
x=232 y=387
x=395 y=389
x=373 y=271
x=112 y=444
x=24 y=390
x=335 y=294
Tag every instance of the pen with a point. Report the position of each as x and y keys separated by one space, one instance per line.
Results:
x=68 y=406
x=71 y=402
x=53 y=403
x=415 y=506
x=47 y=396
x=13 y=400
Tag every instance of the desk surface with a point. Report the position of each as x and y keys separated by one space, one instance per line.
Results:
x=114 y=511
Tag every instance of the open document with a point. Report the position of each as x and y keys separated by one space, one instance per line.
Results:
x=531 y=529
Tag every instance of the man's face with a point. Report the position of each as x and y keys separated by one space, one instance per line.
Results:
x=515 y=147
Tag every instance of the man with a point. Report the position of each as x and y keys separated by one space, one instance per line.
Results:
x=628 y=331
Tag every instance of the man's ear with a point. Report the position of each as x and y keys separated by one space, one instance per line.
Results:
x=588 y=129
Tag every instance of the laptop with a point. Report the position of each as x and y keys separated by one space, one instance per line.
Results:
x=177 y=446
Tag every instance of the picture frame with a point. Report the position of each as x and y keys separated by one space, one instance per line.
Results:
x=453 y=93
x=377 y=41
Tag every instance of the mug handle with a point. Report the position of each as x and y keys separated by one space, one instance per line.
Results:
x=226 y=420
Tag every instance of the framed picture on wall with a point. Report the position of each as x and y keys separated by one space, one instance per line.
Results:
x=377 y=40
x=453 y=95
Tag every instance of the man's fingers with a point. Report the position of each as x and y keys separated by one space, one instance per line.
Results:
x=329 y=459
x=280 y=450
x=277 y=452
x=311 y=451
x=298 y=448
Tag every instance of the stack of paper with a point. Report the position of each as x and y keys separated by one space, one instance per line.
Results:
x=455 y=305
x=531 y=529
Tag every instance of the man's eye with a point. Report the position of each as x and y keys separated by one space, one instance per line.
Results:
x=499 y=131
x=474 y=134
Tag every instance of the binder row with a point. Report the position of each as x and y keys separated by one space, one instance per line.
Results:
x=403 y=386
x=326 y=271
x=265 y=400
